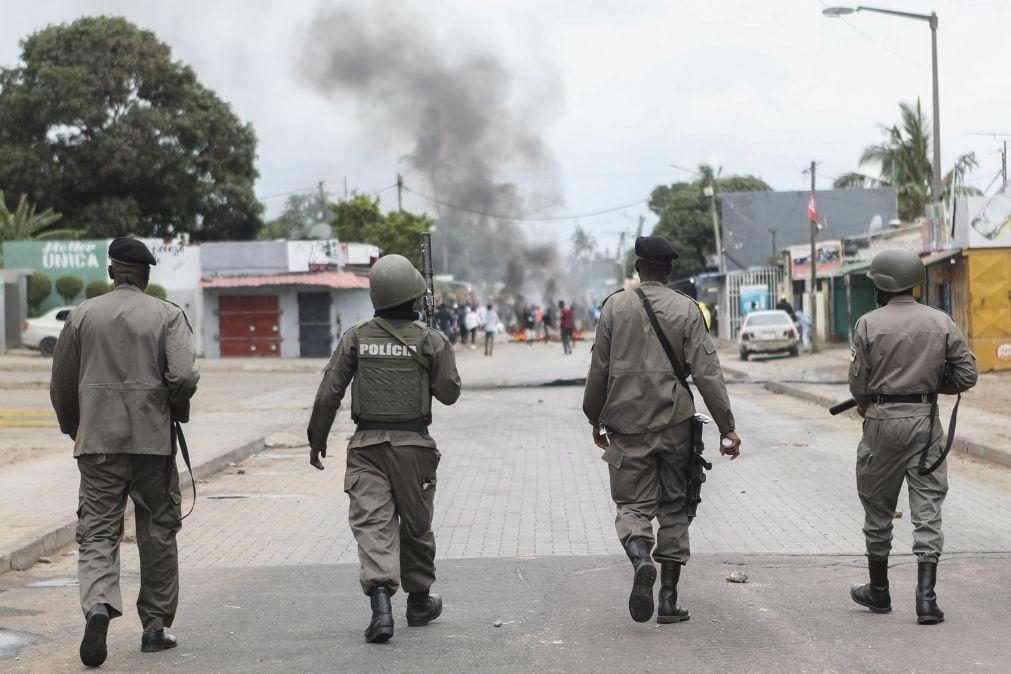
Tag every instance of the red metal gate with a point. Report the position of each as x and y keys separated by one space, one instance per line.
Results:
x=249 y=325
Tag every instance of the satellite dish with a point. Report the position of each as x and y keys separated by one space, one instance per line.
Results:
x=320 y=231
x=877 y=224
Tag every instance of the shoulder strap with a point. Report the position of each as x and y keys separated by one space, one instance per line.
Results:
x=663 y=340
x=385 y=325
x=619 y=290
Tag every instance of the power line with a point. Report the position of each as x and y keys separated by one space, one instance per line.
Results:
x=287 y=194
x=517 y=218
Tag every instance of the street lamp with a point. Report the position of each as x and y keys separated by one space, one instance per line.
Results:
x=839 y=12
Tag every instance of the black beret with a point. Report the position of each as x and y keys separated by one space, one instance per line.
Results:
x=130 y=251
x=655 y=249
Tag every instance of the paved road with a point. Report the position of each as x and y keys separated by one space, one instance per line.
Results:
x=525 y=534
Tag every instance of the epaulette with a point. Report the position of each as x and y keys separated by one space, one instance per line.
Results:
x=610 y=296
x=421 y=324
x=683 y=294
x=361 y=324
x=182 y=311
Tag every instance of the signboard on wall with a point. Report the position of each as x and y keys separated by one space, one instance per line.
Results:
x=753 y=298
x=984 y=222
x=321 y=255
x=829 y=259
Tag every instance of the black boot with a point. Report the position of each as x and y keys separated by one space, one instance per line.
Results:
x=874 y=595
x=667 y=610
x=93 y=648
x=423 y=608
x=927 y=610
x=153 y=641
x=380 y=629
x=640 y=601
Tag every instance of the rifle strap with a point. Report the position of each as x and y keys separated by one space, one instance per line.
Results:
x=179 y=443
x=922 y=469
x=663 y=341
x=385 y=325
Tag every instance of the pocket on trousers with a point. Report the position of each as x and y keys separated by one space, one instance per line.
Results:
x=350 y=479
x=613 y=457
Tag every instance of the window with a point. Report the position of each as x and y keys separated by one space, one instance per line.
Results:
x=765 y=320
x=62 y=315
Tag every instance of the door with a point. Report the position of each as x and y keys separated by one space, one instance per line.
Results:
x=249 y=325
x=315 y=329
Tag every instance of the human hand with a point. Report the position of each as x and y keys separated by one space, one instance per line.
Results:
x=733 y=449
x=599 y=437
x=314 y=455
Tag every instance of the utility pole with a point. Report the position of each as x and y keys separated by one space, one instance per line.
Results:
x=322 y=203
x=1003 y=166
x=710 y=191
x=621 y=260
x=814 y=270
x=400 y=193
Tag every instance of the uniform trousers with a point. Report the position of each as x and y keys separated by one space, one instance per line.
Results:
x=649 y=477
x=106 y=481
x=392 y=499
x=889 y=454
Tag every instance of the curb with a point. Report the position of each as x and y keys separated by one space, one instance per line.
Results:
x=63 y=534
x=996 y=455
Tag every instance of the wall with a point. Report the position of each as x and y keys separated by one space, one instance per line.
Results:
x=244 y=258
x=85 y=259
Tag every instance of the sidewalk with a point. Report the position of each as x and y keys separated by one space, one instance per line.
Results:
x=984 y=424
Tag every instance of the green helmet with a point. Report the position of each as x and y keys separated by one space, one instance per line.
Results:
x=394 y=280
x=896 y=269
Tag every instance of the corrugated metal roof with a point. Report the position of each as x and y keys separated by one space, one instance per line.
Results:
x=331 y=279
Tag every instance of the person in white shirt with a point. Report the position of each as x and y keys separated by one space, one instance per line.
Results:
x=490 y=328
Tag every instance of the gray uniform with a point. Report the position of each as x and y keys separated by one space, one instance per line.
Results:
x=122 y=359
x=901 y=349
x=632 y=391
x=391 y=474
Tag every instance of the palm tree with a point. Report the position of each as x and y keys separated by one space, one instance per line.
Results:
x=905 y=164
x=24 y=223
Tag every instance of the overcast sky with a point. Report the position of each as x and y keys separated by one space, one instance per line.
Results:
x=754 y=87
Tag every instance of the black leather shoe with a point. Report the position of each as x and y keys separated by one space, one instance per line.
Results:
x=640 y=600
x=927 y=610
x=667 y=610
x=153 y=641
x=874 y=595
x=93 y=648
x=423 y=608
x=380 y=630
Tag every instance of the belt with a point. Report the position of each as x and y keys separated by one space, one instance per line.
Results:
x=417 y=425
x=925 y=398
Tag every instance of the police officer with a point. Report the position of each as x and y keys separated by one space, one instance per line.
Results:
x=900 y=354
x=122 y=361
x=641 y=416
x=394 y=364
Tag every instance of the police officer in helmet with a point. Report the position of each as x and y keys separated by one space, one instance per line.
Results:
x=903 y=355
x=394 y=364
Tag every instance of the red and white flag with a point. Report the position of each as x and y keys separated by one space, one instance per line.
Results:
x=812 y=209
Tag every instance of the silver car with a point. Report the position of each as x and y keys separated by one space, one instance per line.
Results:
x=767 y=332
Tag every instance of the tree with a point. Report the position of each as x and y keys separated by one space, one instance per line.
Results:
x=39 y=288
x=69 y=287
x=96 y=288
x=156 y=290
x=360 y=219
x=99 y=123
x=686 y=220
x=584 y=244
x=24 y=223
x=301 y=213
x=904 y=161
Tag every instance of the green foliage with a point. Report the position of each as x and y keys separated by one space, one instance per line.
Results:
x=301 y=212
x=39 y=288
x=99 y=123
x=69 y=287
x=584 y=244
x=904 y=160
x=156 y=290
x=686 y=220
x=361 y=220
x=96 y=288
x=24 y=223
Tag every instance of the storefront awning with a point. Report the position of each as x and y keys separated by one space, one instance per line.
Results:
x=341 y=280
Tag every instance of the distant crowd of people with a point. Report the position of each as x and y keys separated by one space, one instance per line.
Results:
x=462 y=322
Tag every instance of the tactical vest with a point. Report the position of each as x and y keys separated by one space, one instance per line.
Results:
x=390 y=386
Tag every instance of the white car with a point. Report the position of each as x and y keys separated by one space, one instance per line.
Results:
x=41 y=333
x=767 y=332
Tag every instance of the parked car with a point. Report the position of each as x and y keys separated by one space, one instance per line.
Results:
x=41 y=333
x=767 y=332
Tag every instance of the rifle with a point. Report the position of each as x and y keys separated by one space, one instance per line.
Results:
x=698 y=468
x=428 y=299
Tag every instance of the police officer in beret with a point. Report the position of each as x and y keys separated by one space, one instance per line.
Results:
x=395 y=365
x=122 y=361
x=641 y=415
x=903 y=355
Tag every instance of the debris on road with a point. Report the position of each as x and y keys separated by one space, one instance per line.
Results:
x=737 y=577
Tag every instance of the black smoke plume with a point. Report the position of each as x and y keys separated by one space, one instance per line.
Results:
x=472 y=124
